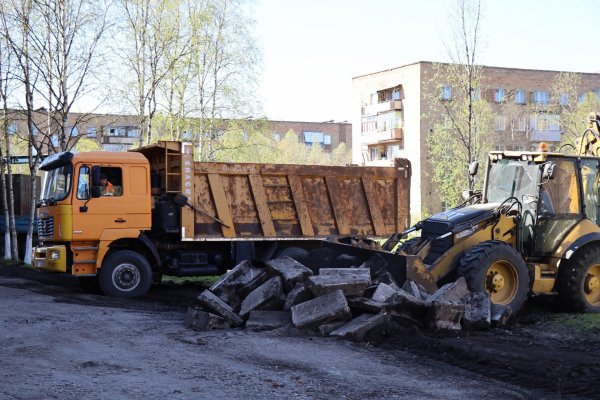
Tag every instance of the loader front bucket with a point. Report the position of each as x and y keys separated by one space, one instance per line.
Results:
x=401 y=267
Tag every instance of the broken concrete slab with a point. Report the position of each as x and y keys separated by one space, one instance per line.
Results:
x=445 y=315
x=211 y=302
x=327 y=328
x=269 y=295
x=415 y=289
x=354 y=273
x=350 y=284
x=357 y=328
x=237 y=283
x=360 y=305
x=453 y=292
x=477 y=311
x=267 y=320
x=384 y=293
x=326 y=308
x=299 y=294
x=386 y=277
x=500 y=314
x=406 y=305
x=290 y=270
x=200 y=320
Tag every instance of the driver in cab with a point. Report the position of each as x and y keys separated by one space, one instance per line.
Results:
x=106 y=188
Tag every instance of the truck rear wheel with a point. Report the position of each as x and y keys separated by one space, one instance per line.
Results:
x=579 y=282
x=125 y=273
x=497 y=268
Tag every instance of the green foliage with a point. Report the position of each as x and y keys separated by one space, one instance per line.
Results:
x=85 y=144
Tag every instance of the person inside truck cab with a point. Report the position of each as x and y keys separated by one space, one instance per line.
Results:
x=106 y=188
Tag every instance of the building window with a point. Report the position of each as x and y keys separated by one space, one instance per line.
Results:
x=134 y=132
x=500 y=123
x=92 y=131
x=373 y=153
x=499 y=147
x=12 y=129
x=312 y=138
x=540 y=97
x=499 y=95
x=521 y=124
x=72 y=131
x=54 y=141
x=520 y=97
x=446 y=92
x=276 y=136
x=118 y=131
x=369 y=124
x=394 y=150
x=476 y=94
x=36 y=131
x=373 y=99
x=563 y=100
x=396 y=94
x=327 y=139
x=518 y=147
x=544 y=122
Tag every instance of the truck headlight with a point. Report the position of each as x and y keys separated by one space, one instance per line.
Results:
x=55 y=255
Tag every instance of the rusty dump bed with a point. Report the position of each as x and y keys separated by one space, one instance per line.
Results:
x=264 y=201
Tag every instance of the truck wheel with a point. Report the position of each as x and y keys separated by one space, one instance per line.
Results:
x=578 y=282
x=296 y=253
x=497 y=268
x=125 y=273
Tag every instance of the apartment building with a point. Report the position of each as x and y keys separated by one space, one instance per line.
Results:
x=392 y=117
x=120 y=132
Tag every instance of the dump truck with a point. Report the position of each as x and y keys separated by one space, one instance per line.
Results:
x=533 y=229
x=123 y=220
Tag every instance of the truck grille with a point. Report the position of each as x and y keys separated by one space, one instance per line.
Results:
x=46 y=227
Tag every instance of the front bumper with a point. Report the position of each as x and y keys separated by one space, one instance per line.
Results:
x=51 y=258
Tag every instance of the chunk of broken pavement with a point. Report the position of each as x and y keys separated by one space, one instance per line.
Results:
x=290 y=270
x=328 y=327
x=208 y=300
x=453 y=292
x=500 y=314
x=268 y=295
x=352 y=281
x=360 y=326
x=299 y=294
x=266 y=320
x=384 y=293
x=376 y=264
x=445 y=315
x=477 y=311
x=200 y=320
x=386 y=277
x=326 y=308
x=237 y=283
x=415 y=289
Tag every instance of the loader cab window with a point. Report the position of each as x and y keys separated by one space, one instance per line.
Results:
x=559 y=207
x=111 y=182
x=590 y=184
x=512 y=178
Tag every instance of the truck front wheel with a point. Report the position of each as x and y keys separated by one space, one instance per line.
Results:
x=125 y=273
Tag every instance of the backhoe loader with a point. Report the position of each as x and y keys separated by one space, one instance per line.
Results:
x=533 y=229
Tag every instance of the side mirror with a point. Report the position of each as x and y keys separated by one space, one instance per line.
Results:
x=95 y=176
x=95 y=192
x=473 y=167
x=549 y=171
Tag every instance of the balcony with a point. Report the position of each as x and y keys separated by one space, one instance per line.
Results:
x=119 y=140
x=389 y=135
x=374 y=109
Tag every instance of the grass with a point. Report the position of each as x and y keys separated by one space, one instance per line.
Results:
x=182 y=280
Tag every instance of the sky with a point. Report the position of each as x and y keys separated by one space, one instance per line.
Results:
x=312 y=48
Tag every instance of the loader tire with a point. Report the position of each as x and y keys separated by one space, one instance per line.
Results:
x=578 y=281
x=125 y=274
x=497 y=268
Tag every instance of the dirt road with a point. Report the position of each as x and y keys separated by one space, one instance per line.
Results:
x=58 y=342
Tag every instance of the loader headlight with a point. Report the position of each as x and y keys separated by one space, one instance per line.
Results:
x=55 y=255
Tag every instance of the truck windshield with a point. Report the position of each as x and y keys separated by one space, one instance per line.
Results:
x=57 y=184
x=512 y=178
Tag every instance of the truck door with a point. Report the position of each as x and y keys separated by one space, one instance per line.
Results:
x=91 y=216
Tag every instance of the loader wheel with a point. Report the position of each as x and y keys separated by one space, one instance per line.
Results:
x=125 y=273
x=578 y=282
x=497 y=268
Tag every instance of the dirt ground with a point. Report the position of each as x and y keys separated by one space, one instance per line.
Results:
x=59 y=342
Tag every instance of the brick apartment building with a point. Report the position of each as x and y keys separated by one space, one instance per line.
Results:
x=120 y=132
x=390 y=117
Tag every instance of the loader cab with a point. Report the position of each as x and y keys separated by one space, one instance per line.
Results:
x=547 y=189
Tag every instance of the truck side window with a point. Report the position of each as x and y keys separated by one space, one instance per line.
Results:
x=111 y=181
x=83 y=185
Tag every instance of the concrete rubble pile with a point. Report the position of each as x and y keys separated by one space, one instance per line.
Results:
x=349 y=302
